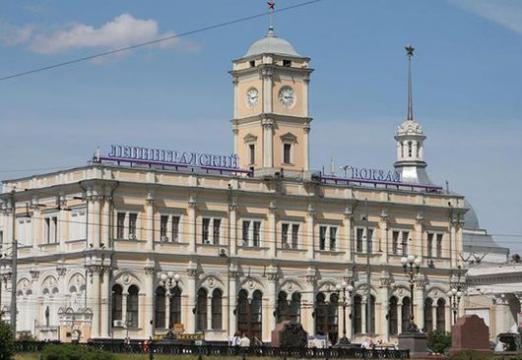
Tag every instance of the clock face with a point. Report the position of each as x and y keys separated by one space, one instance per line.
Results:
x=252 y=96
x=287 y=96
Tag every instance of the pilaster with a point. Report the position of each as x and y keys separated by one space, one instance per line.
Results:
x=232 y=219
x=309 y=234
x=233 y=274
x=192 y=206
x=149 y=219
x=192 y=276
x=272 y=231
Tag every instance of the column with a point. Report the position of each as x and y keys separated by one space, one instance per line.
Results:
x=63 y=224
x=347 y=244
x=503 y=322
x=268 y=143
x=309 y=235
x=149 y=300
x=192 y=274
x=418 y=291
x=272 y=208
x=37 y=225
x=384 y=299
x=106 y=220
x=308 y=302
x=191 y=224
x=105 y=293
x=418 y=229
x=383 y=243
x=209 y=310
x=93 y=299
x=306 y=147
x=272 y=278
x=363 y=314
x=232 y=219
x=399 y=318
x=232 y=299
x=149 y=220
x=93 y=210
x=451 y=252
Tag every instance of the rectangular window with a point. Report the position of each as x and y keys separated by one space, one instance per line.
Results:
x=395 y=242
x=322 y=237
x=1 y=237
x=205 y=231
x=252 y=149
x=333 y=238
x=284 y=236
x=359 y=237
x=51 y=229
x=295 y=236
x=287 y=149
x=216 y=230
x=120 y=225
x=246 y=232
x=287 y=63
x=439 y=245
x=405 y=236
x=164 y=223
x=257 y=234
x=429 y=245
x=363 y=240
x=175 y=228
x=133 y=219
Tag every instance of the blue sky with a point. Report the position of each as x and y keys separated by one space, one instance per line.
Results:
x=467 y=85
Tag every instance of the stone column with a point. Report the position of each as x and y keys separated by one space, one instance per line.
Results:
x=191 y=233
x=363 y=313
x=308 y=302
x=106 y=228
x=93 y=299
x=418 y=229
x=384 y=299
x=268 y=143
x=37 y=225
x=93 y=211
x=306 y=147
x=347 y=245
x=232 y=219
x=62 y=232
x=233 y=290
x=272 y=277
x=419 y=294
x=150 y=273
x=309 y=233
x=272 y=231
x=105 y=293
x=384 y=241
x=503 y=322
x=149 y=220
x=192 y=275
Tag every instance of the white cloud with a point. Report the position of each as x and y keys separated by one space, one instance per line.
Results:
x=507 y=13
x=12 y=35
x=123 y=30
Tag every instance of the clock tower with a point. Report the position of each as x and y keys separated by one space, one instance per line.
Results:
x=271 y=122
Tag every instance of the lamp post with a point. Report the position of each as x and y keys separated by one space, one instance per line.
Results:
x=456 y=292
x=411 y=266
x=344 y=288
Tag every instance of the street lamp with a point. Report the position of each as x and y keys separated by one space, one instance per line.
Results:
x=411 y=266
x=169 y=280
x=456 y=292
x=344 y=287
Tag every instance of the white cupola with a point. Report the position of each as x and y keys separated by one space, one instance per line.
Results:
x=410 y=141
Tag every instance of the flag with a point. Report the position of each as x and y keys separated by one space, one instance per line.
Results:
x=271 y=4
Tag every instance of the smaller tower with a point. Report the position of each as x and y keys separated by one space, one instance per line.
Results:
x=410 y=141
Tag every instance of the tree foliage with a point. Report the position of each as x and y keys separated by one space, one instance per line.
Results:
x=439 y=341
x=6 y=342
x=74 y=352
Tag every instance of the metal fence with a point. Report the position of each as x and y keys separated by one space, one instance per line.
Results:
x=140 y=347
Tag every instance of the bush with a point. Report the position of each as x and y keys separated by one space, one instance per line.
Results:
x=74 y=352
x=439 y=341
x=6 y=342
x=470 y=355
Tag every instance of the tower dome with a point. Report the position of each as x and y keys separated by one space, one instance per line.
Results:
x=271 y=44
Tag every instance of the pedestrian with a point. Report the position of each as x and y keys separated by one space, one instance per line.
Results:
x=244 y=342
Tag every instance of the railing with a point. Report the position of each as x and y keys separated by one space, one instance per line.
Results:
x=142 y=347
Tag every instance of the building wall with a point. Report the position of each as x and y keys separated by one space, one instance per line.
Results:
x=100 y=260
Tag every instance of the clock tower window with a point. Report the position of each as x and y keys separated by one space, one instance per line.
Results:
x=287 y=153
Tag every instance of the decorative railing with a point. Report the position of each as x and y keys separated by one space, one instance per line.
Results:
x=142 y=347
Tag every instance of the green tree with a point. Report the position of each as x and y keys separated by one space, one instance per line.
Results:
x=6 y=342
x=74 y=352
x=439 y=341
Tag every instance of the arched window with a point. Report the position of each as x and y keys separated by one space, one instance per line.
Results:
x=216 y=307
x=201 y=310
x=357 y=314
x=117 y=303
x=428 y=315
x=333 y=307
x=393 y=325
x=441 y=315
x=410 y=149
x=370 y=320
x=256 y=313
x=282 y=307
x=175 y=307
x=159 y=315
x=249 y=315
x=133 y=307
x=405 y=312
x=295 y=308
x=320 y=314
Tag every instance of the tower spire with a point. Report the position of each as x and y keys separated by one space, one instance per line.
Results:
x=409 y=52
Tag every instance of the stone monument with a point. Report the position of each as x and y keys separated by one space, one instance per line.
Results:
x=470 y=333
